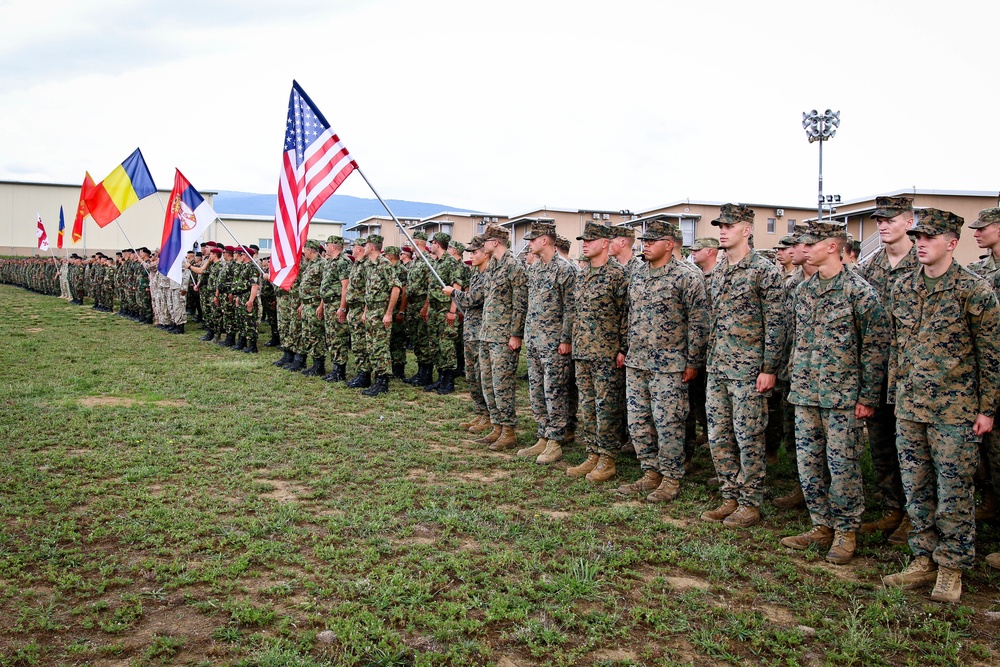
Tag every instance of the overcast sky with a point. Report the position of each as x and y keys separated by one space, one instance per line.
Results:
x=508 y=106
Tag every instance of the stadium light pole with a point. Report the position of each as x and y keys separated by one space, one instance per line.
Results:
x=820 y=127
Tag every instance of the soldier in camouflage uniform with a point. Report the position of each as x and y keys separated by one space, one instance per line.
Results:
x=355 y=309
x=457 y=250
x=471 y=302
x=246 y=292
x=224 y=294
x=896 y=258
x=548 y=340
x=500 y=336
x=744 y=353
x=144 y=301
x=442 y=314
x=313 y=338
x=206 y=289
x=269 y=303
x=945 y=366
x=668 y=331
x=622 y=248
x=397 y=335
x=840 y=334
x=382 y=289
x=417 y=283
x=333 y=289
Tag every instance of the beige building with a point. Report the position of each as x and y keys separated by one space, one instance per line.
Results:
x=259 y=230
x=384 y=226
x=461 y=226
x=568 y=222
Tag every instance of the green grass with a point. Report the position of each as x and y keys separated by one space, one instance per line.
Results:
x=166 y=501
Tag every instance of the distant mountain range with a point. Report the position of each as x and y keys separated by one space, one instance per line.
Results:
x=340 y=208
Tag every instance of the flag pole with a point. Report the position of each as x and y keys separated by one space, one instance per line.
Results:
x=122 y=230
x=253 y=259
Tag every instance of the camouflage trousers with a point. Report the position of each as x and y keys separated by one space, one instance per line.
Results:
x=377 y=339
x=312 y=340
x=338 y=337
x=397 y=341
x=206 y=307
x=737 y=417
x=286 y=314
x=249 y=321
x=936 y=463
x=548 y=390
x=294 y=342
x=657 y=406
x=885 y=458
x=829 y=464
x=497 y=368
x=602 y=389
x=473 y=378
x=416 y=330
x=175 y=307
x=358 y=343
x=441 y=337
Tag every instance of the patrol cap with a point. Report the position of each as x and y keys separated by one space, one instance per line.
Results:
x=476 y=243
x=769 y=254
x=705 y=242
x=890 y=207
x=540 y=229
x=730 y=214
x=359 y=241
x=562 y=243
x=657 y=230
x=375 y=239
x=313 y=244
x=622 y=232
x=420 y=236
x=496 y=232
x=458 y=245
x=987 y=217
x=821 y=231
x=442 y=238
x=595 y=230
x=786 y=242
x=933 y=222
x=336 y=240
x=391 y=250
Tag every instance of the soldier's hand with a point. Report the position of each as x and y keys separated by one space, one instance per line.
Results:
x=250 y=306
x=401 y=318
x=448 y=289
x=564 y=349
x=863 y=411
x=982 y=425
x=450 y=319
x=765 y=382
x=319 y=312
x=423 y=313
x=689 y=374
x=514 y=343
x=620 y=360
x=387 y=320
x=341 y=315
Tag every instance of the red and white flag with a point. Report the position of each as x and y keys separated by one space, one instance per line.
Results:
x=43 y=239
x=313 y=166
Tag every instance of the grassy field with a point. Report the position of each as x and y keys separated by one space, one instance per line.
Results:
x=166 y=501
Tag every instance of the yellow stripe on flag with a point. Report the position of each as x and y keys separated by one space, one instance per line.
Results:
x=119 y=188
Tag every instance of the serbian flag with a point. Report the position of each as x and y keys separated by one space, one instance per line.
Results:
x=126 y=185
x=313 y=165
x=62 y=226
x=43 y=239
x=188 y=216
x=81 y=209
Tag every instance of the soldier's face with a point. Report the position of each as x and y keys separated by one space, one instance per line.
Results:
x=594 y=247
x=798 y=253
x=933 y=249
x=892 y=230
x=732 y=235
x=988 y=236
x=656 y=249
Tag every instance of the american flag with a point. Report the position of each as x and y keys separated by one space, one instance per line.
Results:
x=313 y=166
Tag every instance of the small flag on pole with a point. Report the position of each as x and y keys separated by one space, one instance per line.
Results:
x=43 y=239
x=188 y=216
x=314 y=164
x=124 y=186
x=81 y=209
x=62 y=227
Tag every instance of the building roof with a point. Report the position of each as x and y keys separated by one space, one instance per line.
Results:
x=705 y=202
x=77 y=186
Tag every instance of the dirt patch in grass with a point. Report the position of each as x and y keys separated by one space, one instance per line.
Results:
x=615 y=655
x=687 y=583
x=484 y=476
x=107 y=402
x=174 y=403
x=676 y=523
x=34 y=330
x=556 y=514
x=283 y=491
x=779 y=615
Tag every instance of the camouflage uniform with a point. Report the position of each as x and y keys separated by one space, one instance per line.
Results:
x=440 y=334
x=471 y=303
x=380 y=281
x=312 y=341
x=945 y=367
x=747 y=337
x=417 y=283
x=548 y=323
x=397 y=335
x=355 y=308
x=504 y=309
x=988 y=269
x=338 y=334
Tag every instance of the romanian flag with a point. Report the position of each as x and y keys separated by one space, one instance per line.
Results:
x=62 y=226
x=81 y=208
x=124 y=186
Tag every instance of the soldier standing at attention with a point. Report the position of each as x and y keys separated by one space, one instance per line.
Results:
x=417 y=284
x=896 y=258
x=333 y=289
x=622 y=248
x=313 y=339
x=457 y=250
x=840 y=334
x=442 y=315
x=668 y=330
x=355 y=309
x=381 y=294
x=397 y=334
x=504 y=307
x=744 y=352
x=548 y=338
x=600 y=343
x=946 y=366
x=249 y=301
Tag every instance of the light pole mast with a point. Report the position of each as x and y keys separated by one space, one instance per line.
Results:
x=820 y=127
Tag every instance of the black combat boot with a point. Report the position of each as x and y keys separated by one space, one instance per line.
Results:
x=178 y=329
x=240 y=344
x=429 y=386
x=209 y=335
x=446 y=383
x=416 y=377
x=286 y=358
x=250 y=348
x=361 y=381
x=399 y=371
x=336 y=373
x=229 y=341
x=381 y=386
x=297 y=364
x=318 y=367
x=274 y=342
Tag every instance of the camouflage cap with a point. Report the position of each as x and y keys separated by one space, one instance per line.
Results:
x=458 y=245
x=540 y=229
x=657 y=230
x=313 y=244
x=391 y=250
x=360 y=241
x=821 y=231
x=476 y=243
x=730 y=214
x=595 y=230
x=769 y=254
x=890 y=207
x=420 y=236
x=786 y=242
x=562 y=243
x=987 y=217
x=375 y=239
x=623 y=232
x=442 y=238
x=336 y=240
x=933 y=222
x=705 y=242
x=496 y=232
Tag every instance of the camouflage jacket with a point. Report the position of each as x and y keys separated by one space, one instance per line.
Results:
x=881 y=275
x=356 y=286
x=335 y=271
x=449 y=269
x=549 y=320
x=505 y=301
x=840 y=344
x=669 y=316
x=418 y=280
x=945 y=356
x=380 y=281
x=600 y=312
x=310 y=279
x=471 y=303
x=987 y=269
x=748 y=319
x=221 y=276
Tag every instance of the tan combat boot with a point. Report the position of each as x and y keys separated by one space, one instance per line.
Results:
x=665 y=492
x=888 y=523
x=603 y=471
x=744 y=517
x=922 y=571
x=902 y=533
x=993 y=560
x=842 y=551
x=475 y=419
x=727 y=507
x=794 y=499
x=507 y=439
x=819 y=535
x=482 y=425
x=948 y=587
x=552 y=453
x=648 y=482
x=585 y=467
x=534 y=450
x=987 y=509
x=490 y=437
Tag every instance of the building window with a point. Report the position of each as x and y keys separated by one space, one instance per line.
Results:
x=770 y=225
x=687 y=230
x=447 y=228
x=791 y=226
x=265 y=244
